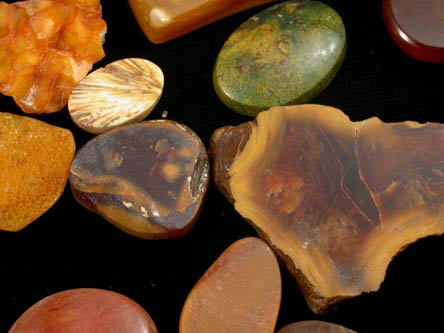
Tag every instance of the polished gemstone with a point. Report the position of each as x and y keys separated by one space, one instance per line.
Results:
x=417 y=27
x=34 y=168
x=163 y=20
x=148 y=179
x=122 y=92
x=85 y=311
x=314 y=326
x=287 y=54
x=240 y=292
x=336 y=199
x=46 y=48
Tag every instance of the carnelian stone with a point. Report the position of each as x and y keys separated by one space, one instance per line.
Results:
x=240 y=292
x=336 y=199
x=314 y=326
x=163 y=20
x=34 y=168
x=46 y=48
x=148 y=179
x=417 y=27
x=86 y=311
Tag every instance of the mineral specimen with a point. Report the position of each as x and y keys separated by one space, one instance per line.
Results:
x=46 y=48
x=337 y=200
x=240 y=292
x=287 y=54
x=314 y=326
x=85 y=310
x=417 y=27
x=34 y=168
x=122 y=92
x=148 y=179
x=163 y=20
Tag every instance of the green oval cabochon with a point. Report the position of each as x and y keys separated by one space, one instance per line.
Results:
x=286 y=54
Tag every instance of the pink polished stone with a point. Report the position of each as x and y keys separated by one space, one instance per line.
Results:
x=417 y=27
x=85 y=311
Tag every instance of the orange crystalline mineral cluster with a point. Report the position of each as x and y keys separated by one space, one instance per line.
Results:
x=46 y=48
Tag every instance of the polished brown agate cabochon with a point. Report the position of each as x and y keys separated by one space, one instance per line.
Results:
x=337 y=200
x=240 y=292
x=148 y=179
x=314 y=326
x=85 y=311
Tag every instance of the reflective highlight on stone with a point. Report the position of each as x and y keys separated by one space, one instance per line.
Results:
x=85 y=310
x=148 y=179
x=34 y=168
x=46 y=48
x=337 y=200
x=417 y=27
x=240 y=292
x=122 y=92
x=287 y=54
x=163 y=20
x=314 y=326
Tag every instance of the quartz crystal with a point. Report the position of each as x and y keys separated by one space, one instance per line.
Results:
x=46 y=48
x=337 y=200
x=163 y=20
x=149 y=179
x=239 y=293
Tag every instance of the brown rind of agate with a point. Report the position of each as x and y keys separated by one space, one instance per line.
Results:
x=314 y=326
x=353 y=200
x=148 y=179
x=225 y=145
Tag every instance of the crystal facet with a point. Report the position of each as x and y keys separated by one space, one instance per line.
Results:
x=46 y=48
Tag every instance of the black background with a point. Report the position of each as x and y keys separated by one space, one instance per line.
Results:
x=69 y=247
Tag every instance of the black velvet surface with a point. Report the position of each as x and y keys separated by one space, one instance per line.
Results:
x=70 y=247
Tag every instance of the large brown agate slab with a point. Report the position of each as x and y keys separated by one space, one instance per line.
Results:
x=337 y=200
x=148 y=179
